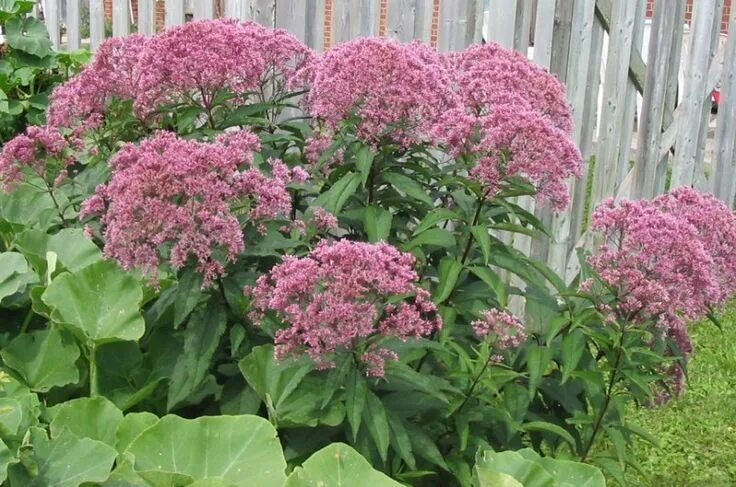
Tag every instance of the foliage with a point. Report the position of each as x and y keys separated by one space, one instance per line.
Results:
x=29 y=68
x=255 y=279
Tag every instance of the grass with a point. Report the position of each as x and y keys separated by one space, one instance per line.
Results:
x=697 y=431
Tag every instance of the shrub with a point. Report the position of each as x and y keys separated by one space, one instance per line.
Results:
x=337 y=270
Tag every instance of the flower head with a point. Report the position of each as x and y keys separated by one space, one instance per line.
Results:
x=42 y=151
x=172 y=197
x=503 y=329
x=337 y=298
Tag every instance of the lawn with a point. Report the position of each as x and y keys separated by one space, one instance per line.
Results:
x=697 y=432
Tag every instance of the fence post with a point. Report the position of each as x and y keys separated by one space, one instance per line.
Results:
x=724 y=162
x=73 y=32
x=174 y=12
x=51 y=16
x=96 y=23
x=146 y=17
x=203 y=9
x=120 y=18
x=683 y=170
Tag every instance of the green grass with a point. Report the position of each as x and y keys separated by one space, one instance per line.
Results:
x=697 y=431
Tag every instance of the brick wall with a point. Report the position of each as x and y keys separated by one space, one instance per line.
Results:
x=689 y=12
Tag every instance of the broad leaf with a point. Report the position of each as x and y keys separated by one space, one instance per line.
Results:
x=377 y=223
x=188 y=294
x=510 y=463
x=335 y=198
x=67 y=461
x=449 y=272
x=13 y=274
x=88 y=417
x=409 y=187
x=338 y=465
x=374 y=417
x=202 y=337
x=101 y=302
x=44 y=358
x=73 y=249
x=243 y=450
x=28 y=35
x=132 y=425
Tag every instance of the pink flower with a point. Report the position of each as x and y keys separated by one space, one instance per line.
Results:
x=503 y=329
x=323 y=219
x=40 y=151
x=170 y=196
x=383 y=87
x=335 y=299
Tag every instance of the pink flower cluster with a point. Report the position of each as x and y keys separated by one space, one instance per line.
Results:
x=503 y=329
x=40 y=150
x=668 y=259
x=385 y=88
x=487 y=104
x=194 y=63
x=170 y=196
x=336 y=299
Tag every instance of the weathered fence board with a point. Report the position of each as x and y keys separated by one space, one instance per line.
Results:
x=724 y=173
x=120 y=18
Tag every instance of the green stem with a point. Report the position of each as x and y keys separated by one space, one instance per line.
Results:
x=476 y=217
x=26 y=321
x=609 y=395
x=93 y=385
x=474 y=384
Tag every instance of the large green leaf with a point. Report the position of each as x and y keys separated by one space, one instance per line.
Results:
x=338 y=465
x=449 y=272
x=377 y=223
x=13 y=8
x=573 y=474
x=73 y=249
x=511 y=463
x=202 y=336
x=409 y=187
x=6 y=459
x=65 y=461
x=13 y=274
x=44 y=358
x=243 y=450
x=28 y=206
x=132 y=425
x=88 y=417
x=101 y=301
x=28 y=35
x=339 y=193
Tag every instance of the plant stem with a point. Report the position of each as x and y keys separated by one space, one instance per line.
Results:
x=371 y=180
x=607 y=399
x=93 y=385
x=26 y=321
x=476 y=217
x=476 y=380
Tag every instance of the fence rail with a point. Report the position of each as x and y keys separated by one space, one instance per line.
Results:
x=596 y=47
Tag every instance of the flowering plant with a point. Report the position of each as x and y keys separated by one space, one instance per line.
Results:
x=252 y=229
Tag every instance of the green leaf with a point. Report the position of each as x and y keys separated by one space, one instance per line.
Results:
x=44 y=359
x=4 y=107
x=374 y=417
x=483 y=239
x=377 y=223
x=273 y=381
x=188 y=294
x=6 y=459
x=88 y=417
x=573 y=346
x=101 y=301
x=573 y=474
x=28 y=206
x=243 y=450
x=68 y=461
x=356 y=391
x=449 y=272
x=335 y=198
x=14 y=8
x=132 y=425
x=550 y=428
x=73 y=249
x=511 y=463
x=537 y=360
x=408 y=186
x=28 y=35
x=202 y=337
x=13 y=274
x=338 y=465
x=11 y=415
x=364 y=162
x=425 y=447
x=434 y=236
x=400 y=440
x=493 y=281
x=434 y=217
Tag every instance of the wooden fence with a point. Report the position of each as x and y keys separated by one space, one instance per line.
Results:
x=594 y=46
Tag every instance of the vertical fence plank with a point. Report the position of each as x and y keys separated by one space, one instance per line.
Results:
x=264 y=12
x=683 y=171
x=52 y=22
x=146 y=17
x=653 y=105
x=522 y=29
x=354 y=18
x=174 y=12
x=699 y=171
x=120 y=18
x=724 y=170
x=73 y=31
x=401 y=18
x=502 y=22
x=581 y=33
x=423 y=14
x=96 y=23
x=204 y=9
x=543 y=32
x=238 y=9
x=614 y=99
x=624 y=159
